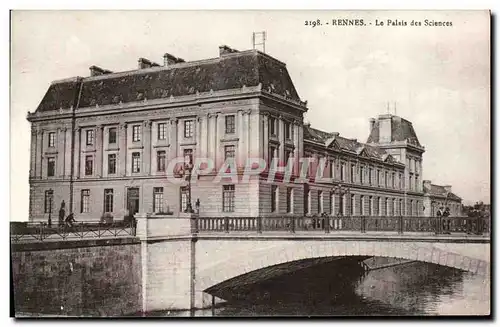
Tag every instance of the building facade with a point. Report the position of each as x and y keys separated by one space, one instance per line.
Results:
x=112 y=144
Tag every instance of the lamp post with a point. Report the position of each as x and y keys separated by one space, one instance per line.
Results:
x=188 y=168
x=50 y=208
x=341 y=191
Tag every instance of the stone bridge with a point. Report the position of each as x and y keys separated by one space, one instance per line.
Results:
x=182 y=268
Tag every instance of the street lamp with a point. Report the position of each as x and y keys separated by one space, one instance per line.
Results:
x=50 y=207
x=188 y=168
x=341 y=191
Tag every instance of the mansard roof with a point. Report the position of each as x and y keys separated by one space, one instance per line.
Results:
x=351 y=145
x=231 y=71
x=401 y=130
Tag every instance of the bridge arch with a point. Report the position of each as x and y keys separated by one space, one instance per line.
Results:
x=223 y=260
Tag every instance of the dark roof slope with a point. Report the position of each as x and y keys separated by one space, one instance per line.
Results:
x=247 y=68
x=441 y=191
x=60 y=95
x=352 y=145
x=401 y=130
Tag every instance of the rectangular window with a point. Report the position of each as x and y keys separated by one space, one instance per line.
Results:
x=161 y=157
x=89 y=165
x=353 y=173
x=342 y=202
x=370 y=206
x=162 y=131
x=136 y=162
x=400 y=181
x=370 y=176
x=401 y=207
x=112 y=163
x=52 y=139
x=332 y=203
x=289 y=158
x=272 y=151
x=320 y=202
x=386 y=207
x=157 y=199
x=272 y=126
x=394 y=206
x=289 y=200
x=362 y=205
x=307 y=201
x=230 y=124
x=331 y=169
x=274 y=198
x=353 y=203
x=386 y=177
x=393 y=180
x=49 y=201
x=184 y=198
x=112 y=135
x=288 y=131
x=379 y=207
x=228 y=198
x=378 y=177
x=136 y=133
x=361 y=174
x=108 y=200
x=51 y=167
x=229 y=151
x=188 y=128
x=342 y=171
x=90 y=137
x=412 y=211
x=85 y=201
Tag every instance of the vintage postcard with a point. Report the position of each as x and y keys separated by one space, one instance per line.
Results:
x=250 y=163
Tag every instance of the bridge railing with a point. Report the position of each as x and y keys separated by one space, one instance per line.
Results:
x=362 y=224
x=41 y=231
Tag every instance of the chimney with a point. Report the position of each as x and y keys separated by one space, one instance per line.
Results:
x=169 y=59
x=447 y=188
x=224 y=50
x=335 y=134
x=427 y=186
x=96 y=71
x=145 y=63
x=372 y=123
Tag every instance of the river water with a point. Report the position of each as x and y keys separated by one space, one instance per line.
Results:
x=340 y=289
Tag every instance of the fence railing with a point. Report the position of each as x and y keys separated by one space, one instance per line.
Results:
x=362 y=224
x=41 y=231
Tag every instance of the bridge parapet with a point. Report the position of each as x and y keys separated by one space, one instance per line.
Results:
x=160 y=226
x=361 y=224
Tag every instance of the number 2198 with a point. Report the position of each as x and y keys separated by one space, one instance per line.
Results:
x=313 y=23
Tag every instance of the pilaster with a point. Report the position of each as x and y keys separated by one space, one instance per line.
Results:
x=146 y=163
x=78 y=152
x=39 y=154
x=123 y=150
x=265 y=138
x=99 y=149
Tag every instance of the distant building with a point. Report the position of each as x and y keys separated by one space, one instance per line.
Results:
x=104 y=144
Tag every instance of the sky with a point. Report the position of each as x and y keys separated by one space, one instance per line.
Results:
x=436 y=77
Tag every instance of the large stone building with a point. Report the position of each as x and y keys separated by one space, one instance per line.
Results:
x=108 y=144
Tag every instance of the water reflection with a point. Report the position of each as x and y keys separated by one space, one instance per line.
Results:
x=342 y=288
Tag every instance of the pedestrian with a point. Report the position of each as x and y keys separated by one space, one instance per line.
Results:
x=70 y=220
x=62 y=213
